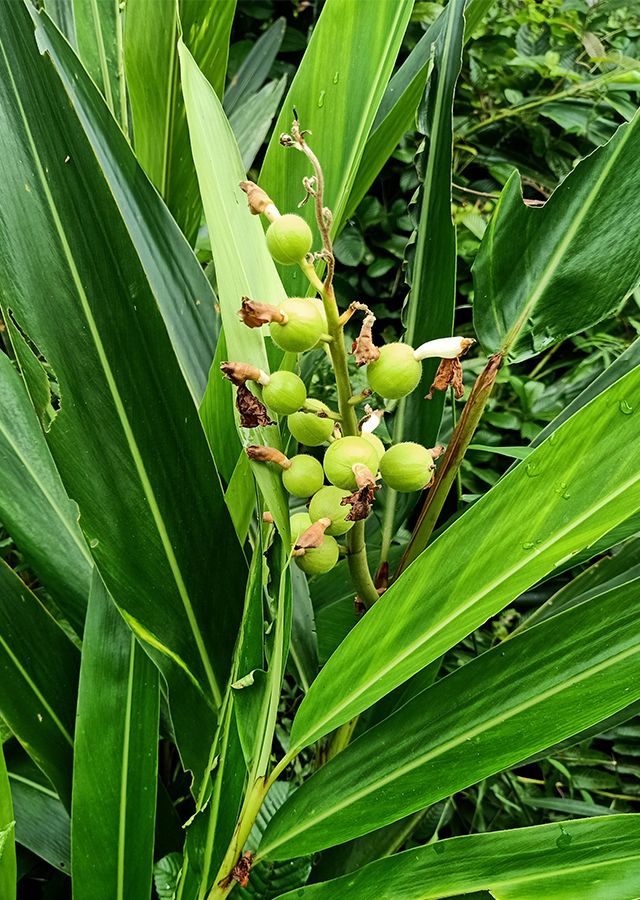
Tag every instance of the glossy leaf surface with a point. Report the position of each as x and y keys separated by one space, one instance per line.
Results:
x=156 y=488
x=593 y=859
x=7 y=836
x=157 y=106
x=529 y=274
x=539 y=515
x=115 y=770
x=39 y=674
x=99 y=37
x=529 y=692
x=34 y=506
x=336 y=92
x=179 y=285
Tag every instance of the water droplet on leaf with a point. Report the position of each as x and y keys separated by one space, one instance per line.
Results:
x=321 y=98
x=94 y=543
x=564 y=840
x=336 y=77
x=533 y=470
x=625 y=407
x=528 y=546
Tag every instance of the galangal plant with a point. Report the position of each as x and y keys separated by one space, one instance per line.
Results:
x=162 y=506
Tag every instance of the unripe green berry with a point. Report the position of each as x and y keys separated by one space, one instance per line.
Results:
x=289 y=239
x=298 y=523
x=305 y=476
x=377 y=443
x=407 y=467
x=395 y=373
x=285 y=393
x=303 y=329
x=326 y=504
x=345 y=453
x=320 y=559
x=309 y=429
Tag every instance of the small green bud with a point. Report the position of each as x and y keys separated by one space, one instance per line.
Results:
x=343 y=454
x=308 y=428
x=289 y=239
x=376 y=442
x=407 y=467
x=395 y=373
x=303 y=327
x=304 y=476
x=326 y=504
x=321 y=559
x=285 y=393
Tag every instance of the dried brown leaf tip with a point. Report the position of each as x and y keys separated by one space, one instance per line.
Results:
x=255 y=314
x=242 y=868
x=239 y=373
x=361 y=503
x=253 y=413
x=259 y=200
x=363 y=347
x=313 y=536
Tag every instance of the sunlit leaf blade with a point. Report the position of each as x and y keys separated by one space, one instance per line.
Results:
x=61 y=11
x=7 y=836
x=159 y=125
x=529 y=275
x=39 y=668
x=127 y=440
x=34 y=506
x=179 y=285
x=525 y=694
x=540 y=514
x=251 y=121
x=243 y=264
x=118 y=764
x=99 y=37
x=43 y=825
x=593 y=859
x=336 y=92
x=255 y=68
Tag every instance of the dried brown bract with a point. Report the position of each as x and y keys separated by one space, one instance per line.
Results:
x=436 y=452
x=449 y=373
x=253 y=413
x=239 y=373
x=361 y=502
x=364 y=348
x=313 y=536
x=259 y=200
x=267 y=454
x=255 y=314
x=242 y=868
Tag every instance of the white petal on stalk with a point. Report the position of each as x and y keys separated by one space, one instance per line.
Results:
x=442 y=348
x=374 y=417
x=264 y=379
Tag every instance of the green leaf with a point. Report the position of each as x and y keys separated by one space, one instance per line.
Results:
x=43 y=824
x=7 y=837
x=251 y=121
x=303 y=652
x=255 y=69
x=118 y=764
x=539 y=515
x=532 y=690
x=34 y=506
x=157 y=107
x=530 y=290
x=61 y=11
x=39 y=674
x=336 y=92
x=513 y=452
x=180 y=287
x=99 y=36
x=127 y=440
x=592 y=859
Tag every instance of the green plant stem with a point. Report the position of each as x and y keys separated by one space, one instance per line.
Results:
x=445 y=476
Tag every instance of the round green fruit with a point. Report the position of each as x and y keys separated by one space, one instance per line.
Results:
x=376 y=442
x=289 y=239
x=407 y=467
x=320 y=559
x=298 y=523
x=305 y=476
x=395 y=373
x=303 y=329
x=285 y=393
x=326 y=504
x=345 y=453
x=308 y=428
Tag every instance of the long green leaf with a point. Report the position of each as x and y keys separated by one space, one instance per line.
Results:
x=593 y=859
x=535 y=518
x=127 y=441
x=34 y=506
x=7 y=836
x=159 y=124
x=336 y=92
x=179 y=285
x=119 y=763
x=256 y=67
x=530 y=289
x=529 y=692
x=39 y=668
x=99 y=36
